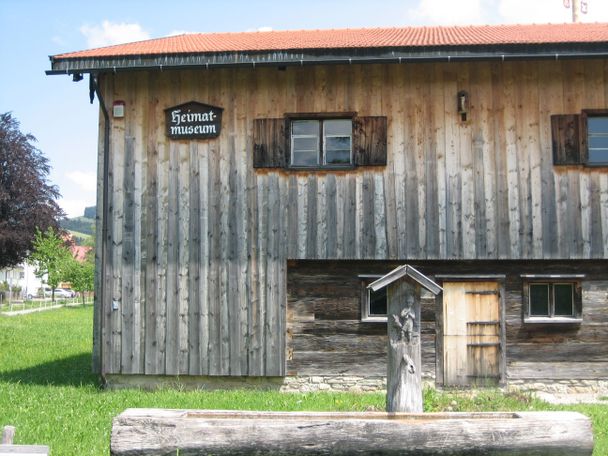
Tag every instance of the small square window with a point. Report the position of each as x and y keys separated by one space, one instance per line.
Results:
x=552 y=301
x=319 y=143
x=374 y=304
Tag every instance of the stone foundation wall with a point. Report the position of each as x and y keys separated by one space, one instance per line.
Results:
x=358 y=384
x=572 y=386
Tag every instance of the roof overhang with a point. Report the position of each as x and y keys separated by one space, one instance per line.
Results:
x=409 y=272
x=339 y=56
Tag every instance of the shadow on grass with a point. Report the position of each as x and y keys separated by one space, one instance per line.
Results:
x=72 y=371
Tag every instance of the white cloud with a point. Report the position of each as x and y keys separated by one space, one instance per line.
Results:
x=538 y=12
x=74 y=208
x=549 y=11
x=109 y=33
x=86 y=180
x=179 y=32
x=260 y=29
x=448 y=12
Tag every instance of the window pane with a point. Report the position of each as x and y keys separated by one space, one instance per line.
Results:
x=337 y=143
x=305 y=158
x=308 y=144
x=598 y=142
x=338 y=127
x=305 y=127
x=539 y=300
x=597 y=125
x=564 y=296
x=337 y=157
x=377 y=302
x=598 y=156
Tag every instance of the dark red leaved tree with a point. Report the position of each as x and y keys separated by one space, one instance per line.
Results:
x=27 y=200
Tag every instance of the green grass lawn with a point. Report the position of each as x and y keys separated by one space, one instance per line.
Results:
x=49 y=394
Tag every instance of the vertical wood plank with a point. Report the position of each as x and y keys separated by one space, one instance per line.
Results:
x=331 y=242
x=550 y=102
x=172 y=258
x=512 y=170
x=439 y=116
x=311 y=217
x=118 y=315
x=183 y=258
x=379 y=220
x=128 y=343
x=452 y=166
x=321 y=227
x=195 y=265
x=468 y=215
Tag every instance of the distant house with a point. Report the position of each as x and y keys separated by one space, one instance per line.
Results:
x=79 y=252
x=253 y=184
x=22 y=278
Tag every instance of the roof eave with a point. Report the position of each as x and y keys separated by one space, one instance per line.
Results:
x=328 y=57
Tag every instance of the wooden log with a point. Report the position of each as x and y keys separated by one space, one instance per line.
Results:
x=7 y=447
x=161 y=432
x=24 y=450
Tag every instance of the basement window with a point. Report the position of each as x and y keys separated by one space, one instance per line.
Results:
x=552 y=299
x=373 y=303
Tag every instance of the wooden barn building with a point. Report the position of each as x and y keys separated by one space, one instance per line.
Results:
x=251 y=185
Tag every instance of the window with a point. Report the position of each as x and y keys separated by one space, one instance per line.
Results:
x=556 y=300
x=597 y=140
x=580 y=139
x=320 y=143
x=373 y=303
x=309 y=141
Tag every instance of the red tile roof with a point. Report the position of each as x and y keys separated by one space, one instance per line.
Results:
x=482 y=35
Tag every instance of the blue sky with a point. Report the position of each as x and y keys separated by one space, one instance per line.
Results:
x=57 y=111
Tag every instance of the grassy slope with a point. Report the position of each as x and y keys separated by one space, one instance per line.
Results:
x=48 y=393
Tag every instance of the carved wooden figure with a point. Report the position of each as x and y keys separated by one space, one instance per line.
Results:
x=404 y=381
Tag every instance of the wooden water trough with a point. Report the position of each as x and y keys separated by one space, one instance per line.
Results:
x=201 y=432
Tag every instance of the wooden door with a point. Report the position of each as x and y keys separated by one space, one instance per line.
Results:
x=471 y=333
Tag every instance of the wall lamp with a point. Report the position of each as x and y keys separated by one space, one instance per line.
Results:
x=77 y=77
x=463 y=104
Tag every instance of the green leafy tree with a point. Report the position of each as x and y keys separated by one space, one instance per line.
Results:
x=81 y=276
x=51 y=257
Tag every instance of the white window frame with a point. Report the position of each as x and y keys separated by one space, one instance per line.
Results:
x=321 y=143
x=366 y=316
x=552 y=280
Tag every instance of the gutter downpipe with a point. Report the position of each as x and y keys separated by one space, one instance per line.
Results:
x=100 y=292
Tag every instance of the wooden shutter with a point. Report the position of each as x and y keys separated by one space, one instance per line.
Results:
x=369 y=142
x=269 y=150
x=566 y=136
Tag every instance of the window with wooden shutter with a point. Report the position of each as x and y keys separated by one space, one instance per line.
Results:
x=320 y=141
x=580 y=139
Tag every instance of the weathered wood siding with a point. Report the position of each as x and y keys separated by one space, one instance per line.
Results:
x=199 y=238
x=327 y=337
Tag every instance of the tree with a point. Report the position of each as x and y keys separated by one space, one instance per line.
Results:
x=51 y=256
x=81 y=275
x=27 y=200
